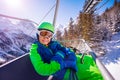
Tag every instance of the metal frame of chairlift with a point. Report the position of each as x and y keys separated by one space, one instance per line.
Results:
x=105 y=73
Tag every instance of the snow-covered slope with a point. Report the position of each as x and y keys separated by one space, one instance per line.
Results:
x=112 y=58
x=15 y=38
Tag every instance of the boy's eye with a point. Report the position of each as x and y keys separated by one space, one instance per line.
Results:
x=45 y=34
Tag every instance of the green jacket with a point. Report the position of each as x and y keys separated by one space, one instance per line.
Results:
x=86 y=71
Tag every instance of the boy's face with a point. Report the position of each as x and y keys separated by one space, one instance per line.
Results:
x=45 y=36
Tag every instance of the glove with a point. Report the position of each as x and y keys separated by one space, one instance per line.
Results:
x=70 y=60
x=71 y=64
x=59 y=56
x=70 y=56
x=67 y=50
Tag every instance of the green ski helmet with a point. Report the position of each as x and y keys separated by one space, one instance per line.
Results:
x=46 y=26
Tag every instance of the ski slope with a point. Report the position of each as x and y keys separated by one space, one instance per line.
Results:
x=112 y=59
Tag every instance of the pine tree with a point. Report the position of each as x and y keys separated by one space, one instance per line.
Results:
x=59 y=35
x=78 y=27
x=86 y=21
x=71 y=29
x=65 y=37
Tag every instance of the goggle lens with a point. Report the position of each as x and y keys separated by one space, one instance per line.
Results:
x=46 y=34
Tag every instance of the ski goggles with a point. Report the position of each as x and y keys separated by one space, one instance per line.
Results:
x=45 y=33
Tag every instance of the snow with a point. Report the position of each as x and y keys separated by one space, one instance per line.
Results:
x=112 y=58
x=16 y=37
x=114 y=69
x=2 y=60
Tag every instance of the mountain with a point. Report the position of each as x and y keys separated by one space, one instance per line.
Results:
x=15 y=38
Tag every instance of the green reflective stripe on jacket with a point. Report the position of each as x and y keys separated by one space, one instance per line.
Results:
x=42 y=68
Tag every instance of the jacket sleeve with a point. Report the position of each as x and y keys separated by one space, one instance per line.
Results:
x=42 y=68
x=66 y=50
x=55 y=46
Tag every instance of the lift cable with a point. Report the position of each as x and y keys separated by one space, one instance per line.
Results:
x=101 y=6
x=47 y=13
x=18 y=18
x=45 y=16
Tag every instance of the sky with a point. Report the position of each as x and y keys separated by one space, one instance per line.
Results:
x=35 y=10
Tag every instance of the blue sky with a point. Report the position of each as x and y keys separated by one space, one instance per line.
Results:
x=107 y=5
x=36 y=9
